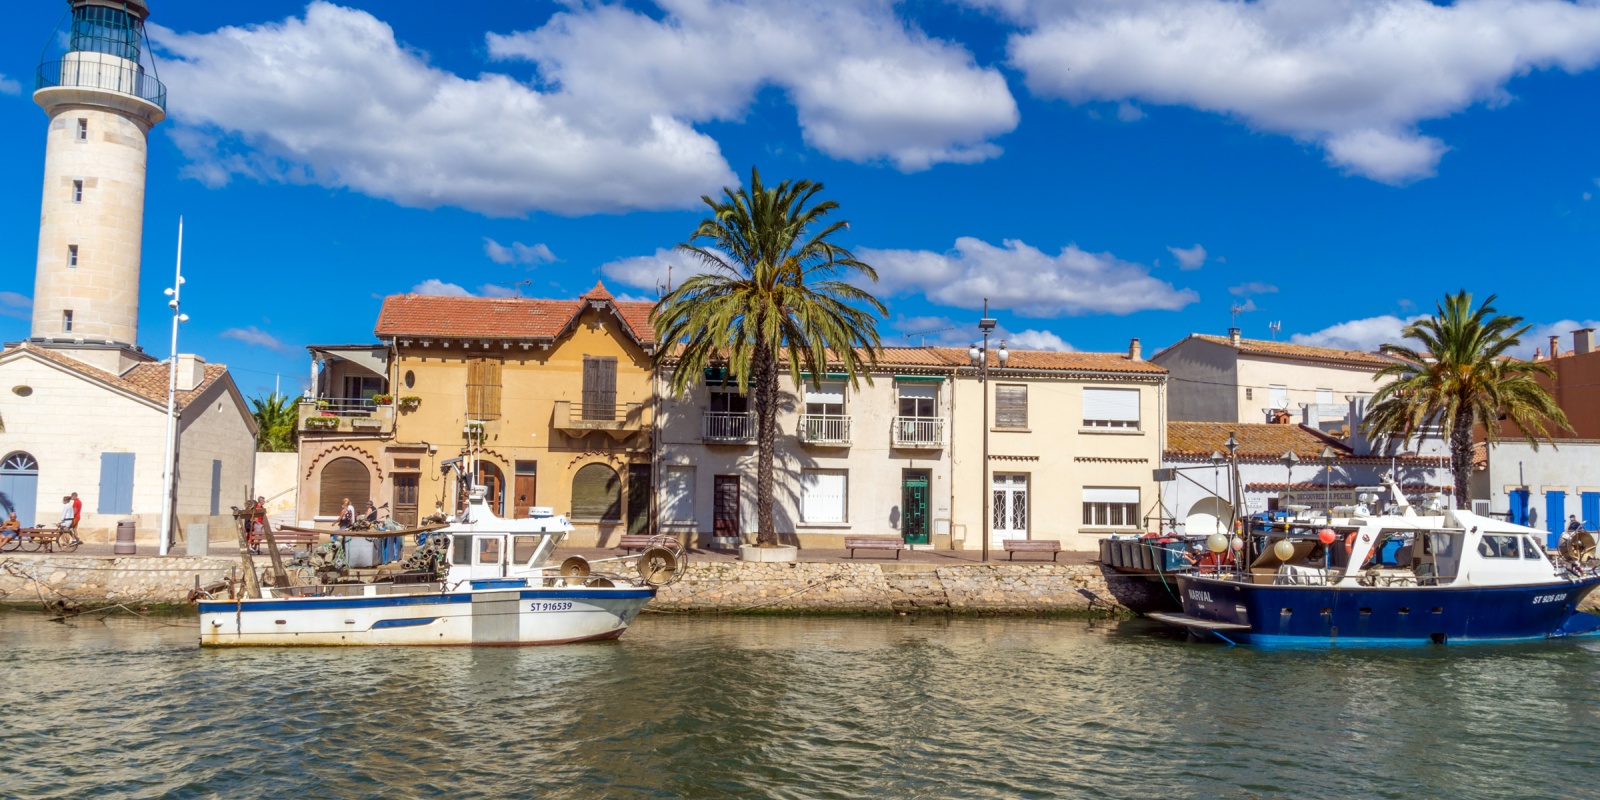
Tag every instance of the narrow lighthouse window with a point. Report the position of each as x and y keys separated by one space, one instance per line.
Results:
x=66 y=321
x=72 y=255
x=83 y=130
x=77 y=191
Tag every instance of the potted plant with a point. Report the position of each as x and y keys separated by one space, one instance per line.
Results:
x=472 y=430
x=322 y=404
x=383 y=399
x=322 y=423
x=410 y=402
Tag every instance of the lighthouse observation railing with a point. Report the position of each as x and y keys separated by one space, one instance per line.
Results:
x=97 y=75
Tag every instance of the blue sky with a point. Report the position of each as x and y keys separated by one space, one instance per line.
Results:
x=1101 y=169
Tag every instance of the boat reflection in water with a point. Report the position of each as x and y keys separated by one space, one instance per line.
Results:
x=1436 y=575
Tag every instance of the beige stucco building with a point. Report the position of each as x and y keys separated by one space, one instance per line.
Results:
x=1234 y=379
x=555 y=394
x=1073 y=439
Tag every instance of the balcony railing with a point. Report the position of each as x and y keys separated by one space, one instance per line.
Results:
x=825 y=429
x=726 y=426
x=616 y=418
x=919 y=432
x=345 y=414
x=90 y=74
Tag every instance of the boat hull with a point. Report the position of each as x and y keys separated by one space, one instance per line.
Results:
x=489 y=617
x=1310 y=614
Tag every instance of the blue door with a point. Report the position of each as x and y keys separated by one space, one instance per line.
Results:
x=1591 y=511
x=1555 y=515
x=1519 y=507
x=19 y=487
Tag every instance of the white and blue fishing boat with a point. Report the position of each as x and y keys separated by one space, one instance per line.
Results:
x=483 y=580
x=1407 y=575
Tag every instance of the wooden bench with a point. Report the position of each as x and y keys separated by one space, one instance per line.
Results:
x=643 y=541
x=295 y=540
x=1015 y=546
x=854 y=543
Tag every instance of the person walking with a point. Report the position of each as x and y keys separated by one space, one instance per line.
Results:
x=77 y=512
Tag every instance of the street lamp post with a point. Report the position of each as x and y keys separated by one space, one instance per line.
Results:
x=980 y=360
x=169 y=467
x=1328 y=456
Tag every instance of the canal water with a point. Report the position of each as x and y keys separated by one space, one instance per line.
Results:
x=701 y=707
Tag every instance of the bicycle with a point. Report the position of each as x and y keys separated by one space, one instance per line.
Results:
x=67 y=539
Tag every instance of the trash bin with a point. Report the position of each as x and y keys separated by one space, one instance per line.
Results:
x=198 y=540
x=361 y=552
x=125 y=545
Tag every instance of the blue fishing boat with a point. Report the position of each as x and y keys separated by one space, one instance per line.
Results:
x=1408 y=575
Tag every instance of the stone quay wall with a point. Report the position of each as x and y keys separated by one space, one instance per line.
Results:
x=34 y=579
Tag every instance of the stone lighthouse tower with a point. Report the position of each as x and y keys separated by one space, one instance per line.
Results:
x=102 y=105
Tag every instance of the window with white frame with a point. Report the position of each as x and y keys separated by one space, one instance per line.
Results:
x=920 y=400
x=1110 y=408
x=1325 y=397
x=727 y=400
x=824 y=495
x=1110 y=507
x=677 y=495
x=826 y=398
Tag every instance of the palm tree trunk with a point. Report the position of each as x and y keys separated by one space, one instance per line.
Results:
x=766 y=396
x=1461 y=458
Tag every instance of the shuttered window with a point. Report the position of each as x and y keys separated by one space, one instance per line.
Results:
x=1111 y=408
x=341 y=478
x=597 y=494
x=824 y=495
x=216 y=488
x=1110 y=507
x=116 y=483
x=1011 y=406
x=483 y=388
x=599 y=387
x=677 y=494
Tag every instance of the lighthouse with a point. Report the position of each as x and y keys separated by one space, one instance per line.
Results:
x=102 y=104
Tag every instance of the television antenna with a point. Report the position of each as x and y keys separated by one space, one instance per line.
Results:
x=1235 y=311
x=922 y=336
x=517 y=287
x=1275 y=327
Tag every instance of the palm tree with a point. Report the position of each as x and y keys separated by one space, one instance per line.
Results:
x=1460 y=377
x=774 y=292
x=277 y=423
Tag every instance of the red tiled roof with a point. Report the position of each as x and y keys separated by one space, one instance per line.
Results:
x=1255 y=440
x=500 y=317
x=148 y=380
x=1036 y=360
x=597 y=293
x=1290 y=350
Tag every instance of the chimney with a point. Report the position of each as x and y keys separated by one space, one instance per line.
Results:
x=1555 y=346
x=1233 y=336
x=1133 y=350
x=191 y=371
x=1359 y=443
x=1583 y=341
x=1309 y=416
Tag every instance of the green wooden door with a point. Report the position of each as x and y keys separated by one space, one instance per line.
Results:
x=914 y=507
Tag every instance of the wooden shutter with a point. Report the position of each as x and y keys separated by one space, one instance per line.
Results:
x=116 y=483
x=341 y=478
x=597 y=494
x=216 y=487
x=483 y=388
x=599 y=387
x=1011 y=406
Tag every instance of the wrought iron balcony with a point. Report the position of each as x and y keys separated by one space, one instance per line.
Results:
x=825 y=429
x=728 y=427
x=921 y=433
x=87 y=73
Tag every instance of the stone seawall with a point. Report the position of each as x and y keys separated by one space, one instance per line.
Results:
x=47 y=579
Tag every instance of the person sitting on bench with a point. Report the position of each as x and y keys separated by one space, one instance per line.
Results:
x=11 y=528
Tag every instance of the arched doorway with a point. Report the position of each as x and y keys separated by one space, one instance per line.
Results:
x=19 y=487
x=1209 y=515
x=341 y=478
x=493 y=480
x=596 y=494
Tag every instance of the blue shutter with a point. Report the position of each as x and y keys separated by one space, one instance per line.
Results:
x=216 y=488
x=1555 y=515
x=116 y=483
x=1591 y=511
x=1519 y=507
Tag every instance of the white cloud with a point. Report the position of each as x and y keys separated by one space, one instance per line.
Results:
x=438 y=287
x=9 y=86
x=865 y=84
x=331 y=98
x=1189 y=257
x=1020 y=278
x=1354 y=77
x=651 y=272
x=1037 y=340
x=517 y=252
x=16 y=305
x=1128 y=112
x=1358 y=334
x=256 y=337
x=1539 y=337
x=1252 y=288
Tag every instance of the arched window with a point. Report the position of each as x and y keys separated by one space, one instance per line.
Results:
x=597 y=494
x=494 y=482
x=341 y=478
x=19 y=487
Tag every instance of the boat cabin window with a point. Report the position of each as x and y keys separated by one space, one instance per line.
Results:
x=488 y=549
x=1445 y=547
x=1498 y=546
x=522 y=548
x=462 y=553
x=1532 y=550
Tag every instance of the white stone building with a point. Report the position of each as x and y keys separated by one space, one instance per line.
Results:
x=82 y=407
x=1542 y=487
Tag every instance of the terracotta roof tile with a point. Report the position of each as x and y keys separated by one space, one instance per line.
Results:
x=1291 y=350
x=500 y=317
x=1256 y=440
x=148 y=380
x=597 y=293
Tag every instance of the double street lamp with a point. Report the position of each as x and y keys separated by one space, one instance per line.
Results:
x=980 y=360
